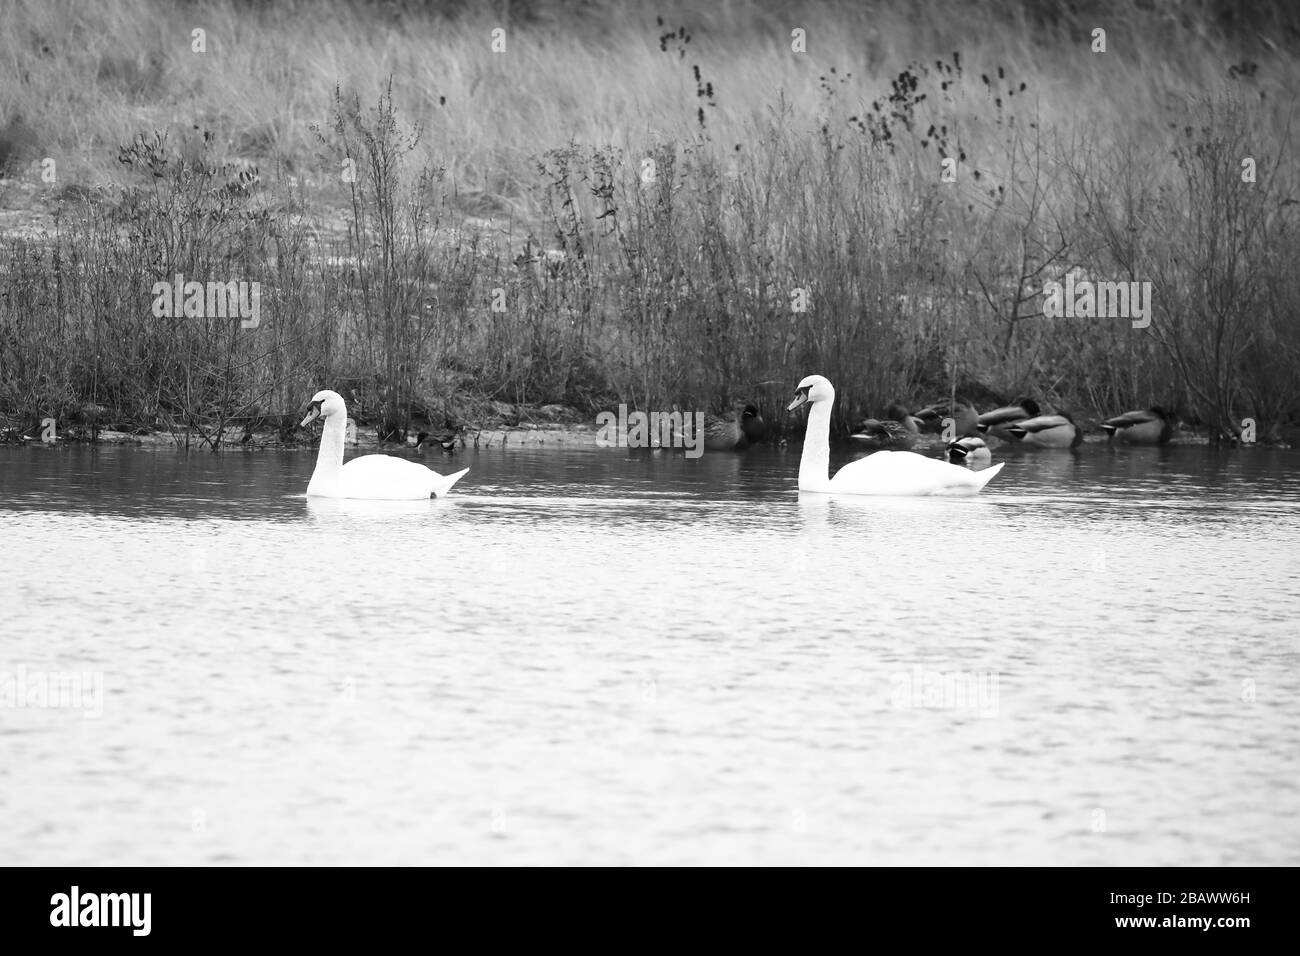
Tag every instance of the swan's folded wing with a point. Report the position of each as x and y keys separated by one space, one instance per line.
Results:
x=907 y=473
x=385 y=477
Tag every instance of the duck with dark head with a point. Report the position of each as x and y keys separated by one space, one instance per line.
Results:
x=744 y=427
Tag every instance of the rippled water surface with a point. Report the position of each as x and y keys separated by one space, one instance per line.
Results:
x=601 y=656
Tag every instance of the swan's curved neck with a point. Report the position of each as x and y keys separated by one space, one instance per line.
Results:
x=815 y=462
x=329 y=460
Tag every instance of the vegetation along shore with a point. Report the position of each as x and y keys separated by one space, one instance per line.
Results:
x=470 y=221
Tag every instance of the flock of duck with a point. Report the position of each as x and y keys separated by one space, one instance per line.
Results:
x=1021 y=423
x=894 y=468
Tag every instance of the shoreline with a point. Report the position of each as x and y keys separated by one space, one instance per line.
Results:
x=570 y=435
x=233 y=439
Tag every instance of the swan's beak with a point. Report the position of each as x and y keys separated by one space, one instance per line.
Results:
x=311 y=415
x=799 y=399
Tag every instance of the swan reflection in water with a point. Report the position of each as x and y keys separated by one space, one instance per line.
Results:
x=328 y=509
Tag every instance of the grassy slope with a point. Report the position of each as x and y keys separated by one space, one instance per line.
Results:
x=86 y=77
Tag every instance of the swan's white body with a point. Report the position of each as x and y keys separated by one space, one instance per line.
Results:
x=885 y=472
x=375 y=477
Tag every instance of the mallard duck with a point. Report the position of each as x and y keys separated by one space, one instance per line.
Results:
x=752 y=424
x=995 y=422
x=875 y=433
x=883 y=473
x=971 y=450
x=898 y=412
x=741 y=429
x=445 y=440
x=897 y=429
x=965 y=418
x=1046 y=431
x=1152 y=427
x=376 y=477
x=391 y=432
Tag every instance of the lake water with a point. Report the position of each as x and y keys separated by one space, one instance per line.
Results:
x=603 y=656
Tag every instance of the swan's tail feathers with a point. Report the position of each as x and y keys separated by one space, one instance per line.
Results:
x=987 y=474
x=442 y=484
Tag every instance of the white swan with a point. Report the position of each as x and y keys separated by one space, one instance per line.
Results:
x=377 y=477
x=885 y=472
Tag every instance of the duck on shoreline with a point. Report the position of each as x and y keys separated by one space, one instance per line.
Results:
x=897 y=430
x=1154 y=426
x=998 y=421
x=1046 y=431
x=444 y=440
x=744 y=427
x=964 y=417
x=971 y=451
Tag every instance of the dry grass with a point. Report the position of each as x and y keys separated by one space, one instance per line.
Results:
x=680 y=291
x=96 y=74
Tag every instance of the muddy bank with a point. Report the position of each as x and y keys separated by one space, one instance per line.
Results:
x=555 y=435
x=235 y=439
x=489 y=425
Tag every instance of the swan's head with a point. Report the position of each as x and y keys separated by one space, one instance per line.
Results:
x=814 y=388
x=324 y=404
